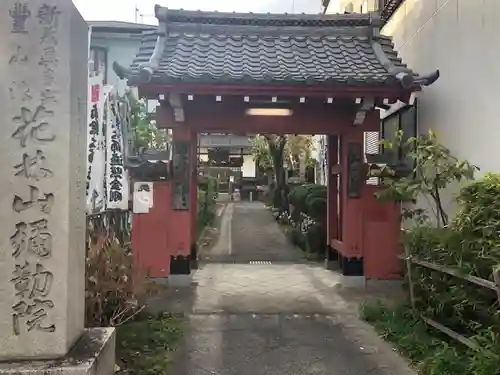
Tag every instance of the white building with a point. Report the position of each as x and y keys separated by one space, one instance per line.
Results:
x=461 y=39
x=112 y=41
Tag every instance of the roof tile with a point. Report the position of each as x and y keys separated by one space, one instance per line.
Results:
x=311 y=49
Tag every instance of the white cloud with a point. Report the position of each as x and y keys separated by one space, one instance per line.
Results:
x=124 y=10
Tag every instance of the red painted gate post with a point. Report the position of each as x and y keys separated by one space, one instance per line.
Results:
x=332 y=197
x=150 y=235
x=353 y=180
x=182 y=226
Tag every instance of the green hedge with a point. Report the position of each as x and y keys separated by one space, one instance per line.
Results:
x=471 y=244
x=309 y=200
x=208 y=190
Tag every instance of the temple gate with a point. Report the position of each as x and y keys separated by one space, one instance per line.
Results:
x=274 y=74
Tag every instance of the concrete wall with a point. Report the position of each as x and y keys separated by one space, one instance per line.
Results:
x=461 y=38
x=353 y=6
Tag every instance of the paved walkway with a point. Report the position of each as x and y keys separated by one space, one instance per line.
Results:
x=259 y=309
x=249 y=233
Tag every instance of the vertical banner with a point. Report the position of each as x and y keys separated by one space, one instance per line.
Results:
x=117 y=184
x=95 y=146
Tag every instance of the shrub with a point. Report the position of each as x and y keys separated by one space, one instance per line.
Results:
x=470 y=244
x=478 y=222
x=296 y=238
x=316 y=238
x=205 y=207
x=316 y=207
x=112 y=291
x=431 y=353
x=213 y=187
x=308 y=213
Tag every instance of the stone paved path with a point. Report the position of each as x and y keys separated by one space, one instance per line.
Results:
x=278 y=316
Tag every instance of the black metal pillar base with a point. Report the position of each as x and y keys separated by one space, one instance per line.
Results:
x=180 y=265
x=351 y=266
x=331 y=254
x=194 y=256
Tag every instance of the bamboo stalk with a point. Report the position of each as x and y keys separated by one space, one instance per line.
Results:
x=408 y=260
x=447 y=331
x=456 y=273
x=496 y=276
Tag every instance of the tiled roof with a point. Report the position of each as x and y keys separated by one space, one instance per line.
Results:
x=235 y=48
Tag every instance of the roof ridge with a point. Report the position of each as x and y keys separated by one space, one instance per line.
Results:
x=167 y=15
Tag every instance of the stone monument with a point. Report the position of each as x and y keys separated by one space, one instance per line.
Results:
x=43 y=96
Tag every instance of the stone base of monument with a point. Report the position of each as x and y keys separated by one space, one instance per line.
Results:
x=93 y=354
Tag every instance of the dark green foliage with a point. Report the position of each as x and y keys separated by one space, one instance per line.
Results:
x=430 y=352
x=433 y=169
x=470 y=244
x=207 y=194
x=309 y=199
x=316 y=238
x=479 y=225
x=316 y=207
x=296 y=238
x=308 y=202
x=143 y=346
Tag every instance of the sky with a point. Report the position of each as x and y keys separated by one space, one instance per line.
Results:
x=124 y=10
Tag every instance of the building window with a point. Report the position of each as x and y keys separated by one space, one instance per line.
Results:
x=98 y=60
x=405 y=120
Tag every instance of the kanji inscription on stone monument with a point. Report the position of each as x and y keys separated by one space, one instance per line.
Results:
x=42 y=166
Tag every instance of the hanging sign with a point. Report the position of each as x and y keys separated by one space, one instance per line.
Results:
x=117 y=187
x=95 y=146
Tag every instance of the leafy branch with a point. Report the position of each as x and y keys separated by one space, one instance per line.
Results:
x=428 y=168
x=147 y=134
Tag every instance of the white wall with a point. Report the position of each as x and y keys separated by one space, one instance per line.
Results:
x=248 y=168
x=121 y=49
x=355 y=6
x=462 y=39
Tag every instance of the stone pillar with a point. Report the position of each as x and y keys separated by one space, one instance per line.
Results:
x=43 y=70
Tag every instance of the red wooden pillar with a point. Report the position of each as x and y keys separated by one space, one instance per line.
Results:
x=194 y=199
x=332 y=197
x=381 y=232
x=151 y=235
x=352 y=176
x=183 y=221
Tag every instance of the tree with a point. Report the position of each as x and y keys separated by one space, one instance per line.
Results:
x=147 y=135
x=270 y=153
x=298 y=149
x=432 y=169
x=261 y=154
x=276 y=146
